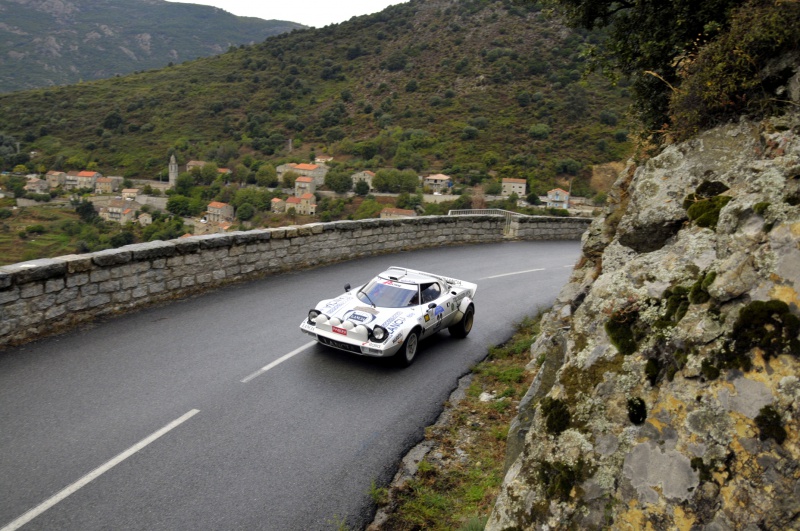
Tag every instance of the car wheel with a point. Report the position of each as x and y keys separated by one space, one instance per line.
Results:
x=405 y=356
x=464 y=326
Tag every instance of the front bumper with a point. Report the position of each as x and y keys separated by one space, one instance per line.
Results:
x=354 y=340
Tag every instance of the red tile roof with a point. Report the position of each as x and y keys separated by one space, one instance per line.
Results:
x=217 y=204
x=517 y=181
x=309 y=167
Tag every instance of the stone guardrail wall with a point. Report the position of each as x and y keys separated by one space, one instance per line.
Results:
x=46 y=296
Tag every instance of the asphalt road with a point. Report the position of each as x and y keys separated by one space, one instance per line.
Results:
x=179 y=417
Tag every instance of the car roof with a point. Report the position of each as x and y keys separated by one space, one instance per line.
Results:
x=407 y=277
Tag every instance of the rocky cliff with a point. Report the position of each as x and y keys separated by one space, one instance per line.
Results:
x=669 y=397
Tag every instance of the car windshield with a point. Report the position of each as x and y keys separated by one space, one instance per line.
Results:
x=388 y=294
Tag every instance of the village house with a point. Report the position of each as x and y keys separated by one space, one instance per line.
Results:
x=145 y=219
x=71 y=180
x=394 y=213
x=86 y=179
x=192 y=164
x=308 y=207
x=437 y=183
x=304 y=185
x=558 y=198
x=322 y=159
x=219 y=212
x=55 y=178
x=116 y=182
x=278 y=205
x=293 y=203
x=120 y=211
x=365 y=176
x=514 y=186
x=212 y=227
x=130 y=193
x=37 y=186
x=104 y=185
x=315 y=171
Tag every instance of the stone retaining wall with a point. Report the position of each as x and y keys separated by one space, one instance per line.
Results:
x=46 y=296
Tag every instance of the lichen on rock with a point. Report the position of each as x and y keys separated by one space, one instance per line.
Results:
x=704 y=331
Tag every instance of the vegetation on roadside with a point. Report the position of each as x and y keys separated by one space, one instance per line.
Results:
x=457 y=482
x=693 y=64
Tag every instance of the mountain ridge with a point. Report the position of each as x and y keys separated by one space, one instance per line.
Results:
x=46 y=43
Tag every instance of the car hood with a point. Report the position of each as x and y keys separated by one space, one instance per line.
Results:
x=348 y=307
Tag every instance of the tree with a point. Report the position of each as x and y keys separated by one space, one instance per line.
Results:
x=539 y=131
x=361 y=188
x=339 y=180
x=179 y=205
x=246 y=212
x=533 y=199
x=242 y=174
x=208 y=173
x=267 y=176
x=493 y=188
x=469 y=133
x=125 y=237
x=289 y=178
x=369 y=208
x=85 y=210
x=644 y=40
x=184 y=184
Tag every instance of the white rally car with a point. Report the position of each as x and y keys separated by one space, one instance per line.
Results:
x=388 y=315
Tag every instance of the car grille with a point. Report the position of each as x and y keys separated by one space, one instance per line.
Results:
x=339 y=344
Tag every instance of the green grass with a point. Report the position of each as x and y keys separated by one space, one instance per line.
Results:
x=457 y=492
x=53 y=242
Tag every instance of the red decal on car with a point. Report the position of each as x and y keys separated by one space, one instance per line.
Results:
x=339 y=330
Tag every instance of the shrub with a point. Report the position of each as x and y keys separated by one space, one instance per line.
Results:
x=651 y=370
x=768 y=325
x=35 y=229
x=621 y=331
x=770 y=425
x=539 y=131
x=705 y=212
x=637 y=412
x=709 y=370
x=559 y=478
x=728 y=76
x=556 y=413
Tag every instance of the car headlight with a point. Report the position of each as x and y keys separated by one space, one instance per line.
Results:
x=379 y=333
x=312 y=315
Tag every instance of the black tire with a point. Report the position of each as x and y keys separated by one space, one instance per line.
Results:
x=462 y=328
x=408 y=352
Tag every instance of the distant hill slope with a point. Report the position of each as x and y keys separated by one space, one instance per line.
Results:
x=60 y=42
x=478 y=89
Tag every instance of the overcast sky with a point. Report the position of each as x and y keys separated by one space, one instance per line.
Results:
x=317 y=13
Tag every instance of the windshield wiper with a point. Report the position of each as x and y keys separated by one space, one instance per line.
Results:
x=368 y=297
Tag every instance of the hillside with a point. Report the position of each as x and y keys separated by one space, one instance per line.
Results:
x=475 y=88
x=59 y=43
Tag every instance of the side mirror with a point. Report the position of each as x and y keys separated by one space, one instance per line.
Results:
x=347 y=287
x=432 y=305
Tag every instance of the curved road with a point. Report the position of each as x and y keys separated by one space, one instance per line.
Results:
x=216 y=413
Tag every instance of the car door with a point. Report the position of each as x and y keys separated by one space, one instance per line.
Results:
x=437 y=306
